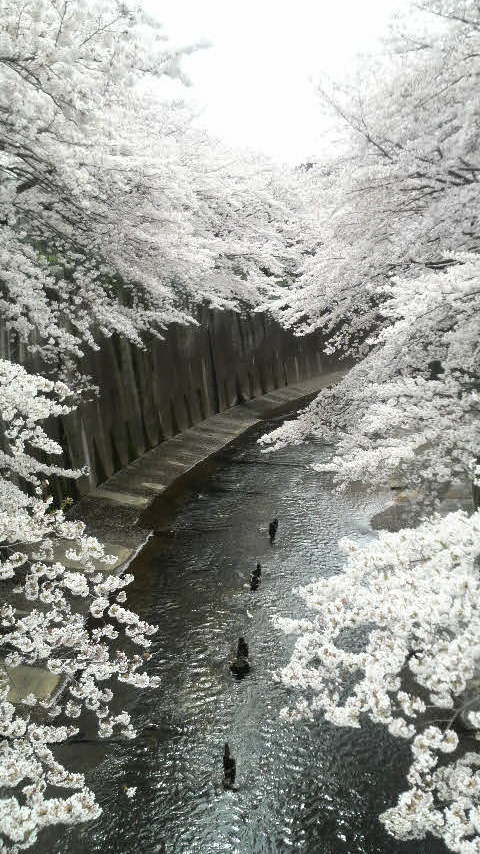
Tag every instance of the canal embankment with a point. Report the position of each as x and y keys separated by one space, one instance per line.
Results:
x=121 y=511
x=138 y=397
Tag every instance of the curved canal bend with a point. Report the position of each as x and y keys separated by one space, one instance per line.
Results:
x=302 y=788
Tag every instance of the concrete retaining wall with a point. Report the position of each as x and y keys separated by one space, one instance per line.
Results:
x=147 y=396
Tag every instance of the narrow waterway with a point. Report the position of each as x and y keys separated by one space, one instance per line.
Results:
x=302 y=788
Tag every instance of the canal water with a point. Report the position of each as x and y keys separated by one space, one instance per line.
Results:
x=315 y=789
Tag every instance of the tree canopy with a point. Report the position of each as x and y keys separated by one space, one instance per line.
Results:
x=115 y=214
x=394 y=281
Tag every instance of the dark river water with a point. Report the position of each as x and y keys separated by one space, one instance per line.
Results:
x=302 y=788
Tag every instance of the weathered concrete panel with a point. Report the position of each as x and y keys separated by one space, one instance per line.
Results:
x=148 y=396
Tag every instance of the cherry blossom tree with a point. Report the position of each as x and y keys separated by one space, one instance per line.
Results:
x=393 y=279
x=399 y=192
x=408 y=413
x=44 y=624
x=412 y=599
x=115 y=214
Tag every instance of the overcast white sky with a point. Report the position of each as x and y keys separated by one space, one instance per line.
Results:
x=254 y=84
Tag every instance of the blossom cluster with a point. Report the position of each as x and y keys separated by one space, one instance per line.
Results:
x=408 y=413
x=415 y=597
x=44 y=623
x=117 y=215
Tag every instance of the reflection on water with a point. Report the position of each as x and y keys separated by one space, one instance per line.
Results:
x=302 y=788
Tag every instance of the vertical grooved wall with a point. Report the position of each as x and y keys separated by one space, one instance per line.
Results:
x=149 y=395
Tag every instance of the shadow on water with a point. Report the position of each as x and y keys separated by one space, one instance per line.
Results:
x=302 y=788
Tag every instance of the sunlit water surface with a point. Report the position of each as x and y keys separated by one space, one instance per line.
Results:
x=302 y=788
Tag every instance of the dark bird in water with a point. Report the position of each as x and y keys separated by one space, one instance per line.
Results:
x=240 y=664
x=229 y=768
x=255 y=577
x=254 y=582
x=272 y=530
